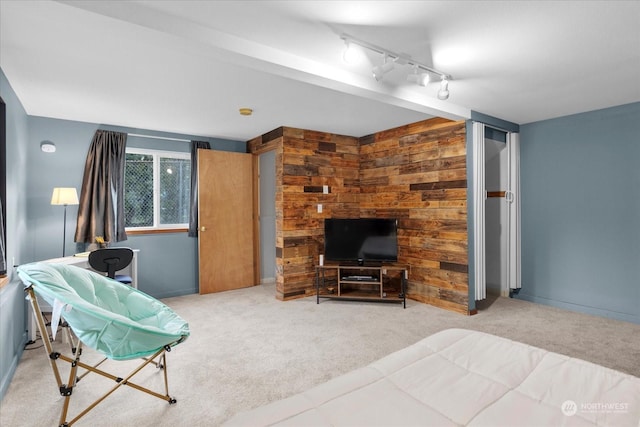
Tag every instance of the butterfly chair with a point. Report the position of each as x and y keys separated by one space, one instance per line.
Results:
x=110 y=260
x=112 y=318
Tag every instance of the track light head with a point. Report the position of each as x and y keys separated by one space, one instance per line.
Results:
x=443 y=93
x=352 y=54
x=421 y=79
x=380 y=70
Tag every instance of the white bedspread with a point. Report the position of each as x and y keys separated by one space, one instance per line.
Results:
x=460 y=377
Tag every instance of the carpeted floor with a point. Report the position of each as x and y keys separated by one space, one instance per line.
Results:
x=247 y=349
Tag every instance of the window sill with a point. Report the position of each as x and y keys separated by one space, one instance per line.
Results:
x=156 y=231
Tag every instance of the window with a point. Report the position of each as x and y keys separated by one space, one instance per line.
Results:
x=156 y=189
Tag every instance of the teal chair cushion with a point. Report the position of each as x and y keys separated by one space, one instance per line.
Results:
x=110 y=317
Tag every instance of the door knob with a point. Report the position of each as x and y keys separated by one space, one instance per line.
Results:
x=203 y=228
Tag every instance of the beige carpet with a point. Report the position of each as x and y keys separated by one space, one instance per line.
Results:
x=247 y=349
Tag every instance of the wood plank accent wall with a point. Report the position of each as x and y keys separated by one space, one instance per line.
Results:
x=305 y=162
x=416 y=173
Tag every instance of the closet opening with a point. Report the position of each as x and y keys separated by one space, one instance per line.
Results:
x=496 y=212
x=267 y=216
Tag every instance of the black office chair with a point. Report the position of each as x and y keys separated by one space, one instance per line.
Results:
x=110 y=260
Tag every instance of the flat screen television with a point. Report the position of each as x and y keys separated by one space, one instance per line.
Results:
x=361 y=240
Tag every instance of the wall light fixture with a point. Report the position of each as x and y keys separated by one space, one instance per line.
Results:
x=48 y=147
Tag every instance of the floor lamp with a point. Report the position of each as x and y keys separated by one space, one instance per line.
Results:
x=64 y=196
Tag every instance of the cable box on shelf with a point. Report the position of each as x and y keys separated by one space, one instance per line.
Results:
x=360 y=278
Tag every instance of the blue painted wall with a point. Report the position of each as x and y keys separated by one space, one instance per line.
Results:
x=12 y=303
x=167 y=262
x=64 y=168
x=580 y=178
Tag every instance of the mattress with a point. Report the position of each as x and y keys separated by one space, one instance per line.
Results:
x=460 y=377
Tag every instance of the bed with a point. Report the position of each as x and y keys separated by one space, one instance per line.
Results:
x=461 y=377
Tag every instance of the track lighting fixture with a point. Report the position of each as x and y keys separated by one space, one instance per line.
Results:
x=380 y=70
x=352 y=53
x=443 y=93
x=421 y=79
x=421 y=72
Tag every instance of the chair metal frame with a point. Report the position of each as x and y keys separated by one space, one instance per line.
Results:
x=66 y=390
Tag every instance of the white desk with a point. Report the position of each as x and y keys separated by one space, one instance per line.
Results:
x=83 y=262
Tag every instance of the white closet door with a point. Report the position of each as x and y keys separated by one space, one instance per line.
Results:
x=513 y=198
x=479 y=198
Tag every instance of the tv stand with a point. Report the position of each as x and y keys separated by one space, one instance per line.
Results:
x=378 y=283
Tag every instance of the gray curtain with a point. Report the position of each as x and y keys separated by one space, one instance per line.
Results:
x=3 y=255
x=193 y=210
x=101 y=209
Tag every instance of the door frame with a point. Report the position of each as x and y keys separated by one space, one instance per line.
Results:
x=514 y=282
x=478 y=221
x=258 y=185
x=256 y=219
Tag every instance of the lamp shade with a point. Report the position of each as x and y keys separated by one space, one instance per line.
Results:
x=64 y=196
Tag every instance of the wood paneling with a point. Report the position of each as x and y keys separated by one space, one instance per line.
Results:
x=306 y=161
x=416 y=173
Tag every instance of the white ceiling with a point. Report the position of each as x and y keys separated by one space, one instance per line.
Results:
x=188 y=66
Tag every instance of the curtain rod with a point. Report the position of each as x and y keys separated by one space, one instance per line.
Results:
x=159 y=137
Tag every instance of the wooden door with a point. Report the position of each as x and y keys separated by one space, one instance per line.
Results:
x=225 y=218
